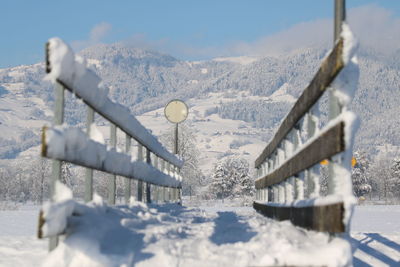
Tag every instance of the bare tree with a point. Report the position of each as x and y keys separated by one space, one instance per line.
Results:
x=193 y=178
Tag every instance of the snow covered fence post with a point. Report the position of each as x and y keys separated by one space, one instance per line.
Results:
x=168 y=170
x=156 y=187
x=180 y=189
x=163 y=188
x=148 y=189
x=70 y=144
x=127 y=189
x=175 y=190
x=58 y=120
x=89 y=171
x=113 y=177
x=56 y=164
x=140 y=183
x=315 y=142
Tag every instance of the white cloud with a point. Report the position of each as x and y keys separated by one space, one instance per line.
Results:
x=96 y=35
x=301 y=35
x=375 y=27
x=305 y=34
x=171 y=47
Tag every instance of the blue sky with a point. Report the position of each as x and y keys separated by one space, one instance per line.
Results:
x=186 y=29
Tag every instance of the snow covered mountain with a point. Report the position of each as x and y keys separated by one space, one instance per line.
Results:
x=235 y=103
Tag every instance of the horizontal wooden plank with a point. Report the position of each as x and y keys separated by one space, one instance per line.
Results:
x=87 y=89
x=325 y=146
x=326 y=218
x=329 y=69
x=72 y=145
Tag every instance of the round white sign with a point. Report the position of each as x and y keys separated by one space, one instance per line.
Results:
x=176 y=111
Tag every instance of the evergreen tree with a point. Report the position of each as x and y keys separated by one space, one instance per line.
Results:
x=381 y=175
x=220 y=186
x=231 y=178
x=394 y=180
x=359 y=175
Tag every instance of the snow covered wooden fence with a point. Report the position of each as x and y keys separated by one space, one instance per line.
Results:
x=288 y=184
x=154 y=165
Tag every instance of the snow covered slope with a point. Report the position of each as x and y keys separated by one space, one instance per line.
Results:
x=216 y=137
x=24 y=108
x=145 y=81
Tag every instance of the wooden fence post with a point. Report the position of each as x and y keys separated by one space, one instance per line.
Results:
x=88 y=171
x=148 y=191
x=56 y=164
x=112 y=182
x=169 y=189
x=157 y=187
x=180 y=189
x=163 y=171
x=82 y=151
x=127 y=191
x=140 y=183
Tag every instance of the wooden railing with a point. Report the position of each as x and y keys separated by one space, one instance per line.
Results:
x=288 y=184
x=153 y=167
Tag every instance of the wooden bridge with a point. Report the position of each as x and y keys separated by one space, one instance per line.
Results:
x=319 y=128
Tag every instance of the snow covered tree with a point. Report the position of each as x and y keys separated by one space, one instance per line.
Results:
x=192 y=176
x=221 y=186
x=380 y=175
x=360 y=175
x=39 y=172
x=394 y=179
x=66 y=174
x=231 y=178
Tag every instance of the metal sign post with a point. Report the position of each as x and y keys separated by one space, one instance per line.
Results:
x=176 y=111
x=176 y=137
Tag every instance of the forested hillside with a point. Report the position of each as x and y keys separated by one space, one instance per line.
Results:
x=146 y=80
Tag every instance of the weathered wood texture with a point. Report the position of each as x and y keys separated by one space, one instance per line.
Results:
x=109 y=116
x=137 y=170
x=327 y=218
x=325 y=146
x=40 y=225
x=148 y=190
x=329 y=69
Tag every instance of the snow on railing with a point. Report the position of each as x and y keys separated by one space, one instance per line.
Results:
x=68 y=71
x=72 y=145
x=154 y=164
x=289 y=180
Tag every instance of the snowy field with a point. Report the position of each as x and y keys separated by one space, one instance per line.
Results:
x=201 y=236
x=375 y=233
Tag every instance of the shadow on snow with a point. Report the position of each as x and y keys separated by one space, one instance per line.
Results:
x=228 y=229
x=363 y=245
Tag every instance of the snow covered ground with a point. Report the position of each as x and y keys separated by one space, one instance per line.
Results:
x=375 y=232
x=19 y=245
x=218 y=235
